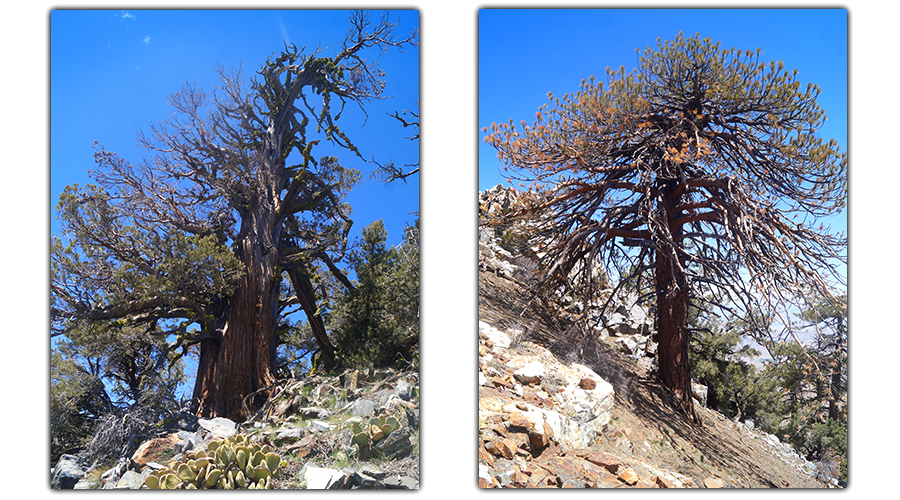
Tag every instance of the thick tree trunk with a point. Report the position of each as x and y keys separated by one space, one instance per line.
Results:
x=242 y=360
x=672 y=304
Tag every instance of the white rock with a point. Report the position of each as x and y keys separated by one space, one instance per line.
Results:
x=700 y=392
x=532 y=373
x=499 y=338
x=219 y=426
x=318 y=478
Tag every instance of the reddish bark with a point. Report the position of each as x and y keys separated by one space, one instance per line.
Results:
x=672 y=305
x=241 y=362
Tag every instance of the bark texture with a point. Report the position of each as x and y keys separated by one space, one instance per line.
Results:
x=672 y=305
x=241 y=361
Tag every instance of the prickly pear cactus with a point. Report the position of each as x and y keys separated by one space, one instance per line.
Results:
x=367 y=433
x=226 y=464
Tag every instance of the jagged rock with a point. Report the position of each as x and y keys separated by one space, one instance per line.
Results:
x=404 y=390
x=361 y=479
x=318 y=478
x=397 y=445
x=502 y=448
x=412 y=417
x=484 y=455
x=321 y=426
x=663 y=482
x=578 y=416
x=313 y=412
x=159 y=450
x=627 y=475
x=218 y=427
x=288 y=436
x=363 y=407
x=132 y=480
x=604 y=460
x=111 y=478
x=67 y=472
x=304 y=447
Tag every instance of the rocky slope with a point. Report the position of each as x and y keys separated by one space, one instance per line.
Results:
x=558 y=412
x=308 y=423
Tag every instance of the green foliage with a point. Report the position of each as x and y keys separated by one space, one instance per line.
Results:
x=135 y=363
x=720 y=362
x=376 y=323
x=295 y=344
x=97 y=369
x=77 y=400
x=227 y=464
x=814 y=418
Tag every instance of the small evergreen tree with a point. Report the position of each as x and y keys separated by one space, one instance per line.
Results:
x=377 y=320
x=105 y=369
x=77 y=400
x=721 y=362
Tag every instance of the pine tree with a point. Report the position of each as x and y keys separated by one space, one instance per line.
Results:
x=377 y=320
x=698 y=165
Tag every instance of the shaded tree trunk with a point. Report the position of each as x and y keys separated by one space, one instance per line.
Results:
x=241 y=360
x=672 y=305
x=306 y=295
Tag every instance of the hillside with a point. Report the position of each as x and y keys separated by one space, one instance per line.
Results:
x=559 y=410
x=307 y=423
x=645 y=443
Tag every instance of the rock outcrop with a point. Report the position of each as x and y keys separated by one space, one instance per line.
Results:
x=558 y=410
x=539 y=420
x=305 y=422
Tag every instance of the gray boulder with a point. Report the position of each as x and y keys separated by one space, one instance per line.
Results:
x=397 y=445
x=363 y=407
x=401 y=482
x=219 y=426
x=67 y=472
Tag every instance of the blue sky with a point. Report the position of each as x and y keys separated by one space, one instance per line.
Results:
x=112 y=72
x=524 y=54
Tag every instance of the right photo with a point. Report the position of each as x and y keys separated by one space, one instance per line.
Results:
x=662 y=248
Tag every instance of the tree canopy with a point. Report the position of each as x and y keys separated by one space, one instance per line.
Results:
x=226 y=221
x=702 y=165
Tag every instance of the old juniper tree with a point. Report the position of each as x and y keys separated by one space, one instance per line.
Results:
x=225 y=222
x=703 y=166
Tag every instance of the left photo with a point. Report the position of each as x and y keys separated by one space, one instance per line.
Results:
x=234 y=249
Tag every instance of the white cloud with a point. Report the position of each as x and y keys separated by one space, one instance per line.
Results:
x=126 y=15
x=147 y=39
